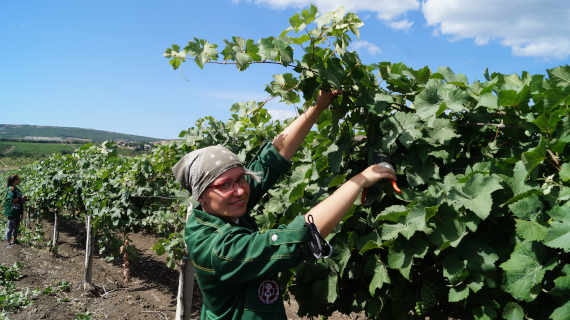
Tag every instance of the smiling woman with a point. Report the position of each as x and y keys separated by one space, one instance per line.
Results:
x=236 y=265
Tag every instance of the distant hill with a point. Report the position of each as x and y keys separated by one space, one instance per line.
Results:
x=64 y=134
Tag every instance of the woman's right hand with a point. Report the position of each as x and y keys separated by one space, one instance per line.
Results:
x=375 y=173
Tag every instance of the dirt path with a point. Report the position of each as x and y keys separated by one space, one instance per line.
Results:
x=151 y=294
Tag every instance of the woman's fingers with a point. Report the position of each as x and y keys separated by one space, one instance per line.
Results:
x=325 y=98
x=377 y=172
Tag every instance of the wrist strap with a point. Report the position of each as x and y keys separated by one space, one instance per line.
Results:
x=318 y=246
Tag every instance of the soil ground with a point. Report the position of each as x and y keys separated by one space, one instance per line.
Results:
x=151 y=293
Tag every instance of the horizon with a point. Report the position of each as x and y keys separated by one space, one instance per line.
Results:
x=65 y=127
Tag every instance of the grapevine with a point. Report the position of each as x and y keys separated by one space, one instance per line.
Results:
x=481 y=226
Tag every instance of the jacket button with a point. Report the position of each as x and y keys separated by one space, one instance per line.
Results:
x=274 y=237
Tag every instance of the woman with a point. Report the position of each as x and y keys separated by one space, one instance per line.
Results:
x=236 y=265
x=13 y=208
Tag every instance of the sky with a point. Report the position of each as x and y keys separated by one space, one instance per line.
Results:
x=100 y=64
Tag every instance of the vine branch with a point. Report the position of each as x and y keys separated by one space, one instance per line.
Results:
x=554 y=159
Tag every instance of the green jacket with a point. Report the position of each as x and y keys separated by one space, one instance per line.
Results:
x=11 y=209
x=236 y=264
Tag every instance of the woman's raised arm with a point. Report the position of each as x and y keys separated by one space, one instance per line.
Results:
x=288 y=141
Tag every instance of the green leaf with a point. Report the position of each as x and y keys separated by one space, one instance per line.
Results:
x=267 y=49
x=326 y=288
x=242 y=60
x=441 y=131
x=528 y=207
x=450 y=76
x=402 y=253
x=408 y=125
x=414 y=221
x=449 y=229
x=457 y=294
x=202 y=50
x=562 y=283
x=454 y=268
x=508 y=98
x=530 y=230
x=513 y=311
x=518 y=182
x=560 y=75
x=565 y=172
x=379 y=279
x=561 y=313
x=558 y=235
x=159 y=248
x=534 y=156
x=392 y=213
x=341 y=255
x=488 y=100
x=337 y=180
x=479 y=189
x=298 y=192
x=523 y=272
x=485 y=312
x=369 y=245
x=334 y=156
x=564 y=194
x=296 y=22
x=428 y=101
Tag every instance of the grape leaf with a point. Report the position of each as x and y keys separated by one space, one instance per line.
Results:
x=415 y=221
x=534 y=156
x=479 y=189
x=561 y=313
x=558 y=235
x=530 y=230
x=402 y=253
x=379 y=279
x=562 y=283
x=565 y=172
x=513 y=311
x=523 y=271
x=457 y=294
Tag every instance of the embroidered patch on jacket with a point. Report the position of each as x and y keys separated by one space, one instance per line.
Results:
x=268 y=291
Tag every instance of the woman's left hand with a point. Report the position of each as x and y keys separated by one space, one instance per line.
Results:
x=325 y=98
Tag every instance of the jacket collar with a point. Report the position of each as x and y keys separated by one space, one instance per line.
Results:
x=244 y=221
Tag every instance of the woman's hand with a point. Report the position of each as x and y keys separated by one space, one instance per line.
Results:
x=375 y=173
x=288 y=141
x=325 y=98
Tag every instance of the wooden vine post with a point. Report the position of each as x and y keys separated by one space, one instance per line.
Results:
x=55 y=237
x=126 y=264
x=88 y=270
x=185 y=286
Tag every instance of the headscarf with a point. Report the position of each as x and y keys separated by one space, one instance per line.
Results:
x=197 y=169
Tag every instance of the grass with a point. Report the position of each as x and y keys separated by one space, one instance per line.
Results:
x=34 y=149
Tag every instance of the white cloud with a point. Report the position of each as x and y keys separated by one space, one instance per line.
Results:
x=363 y=44
x=529 y=27
x=387 y=10
x=401 y=25
x=539 y=28
x=281 y=114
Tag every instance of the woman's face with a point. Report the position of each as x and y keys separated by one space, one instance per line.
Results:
x=17 y=181
x=227 y=196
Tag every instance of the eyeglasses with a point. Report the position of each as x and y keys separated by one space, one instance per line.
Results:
x=230 y=185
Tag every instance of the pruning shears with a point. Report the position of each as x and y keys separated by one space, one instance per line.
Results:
x=372 y=193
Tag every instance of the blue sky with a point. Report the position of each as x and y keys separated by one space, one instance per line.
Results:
x=99 y=64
